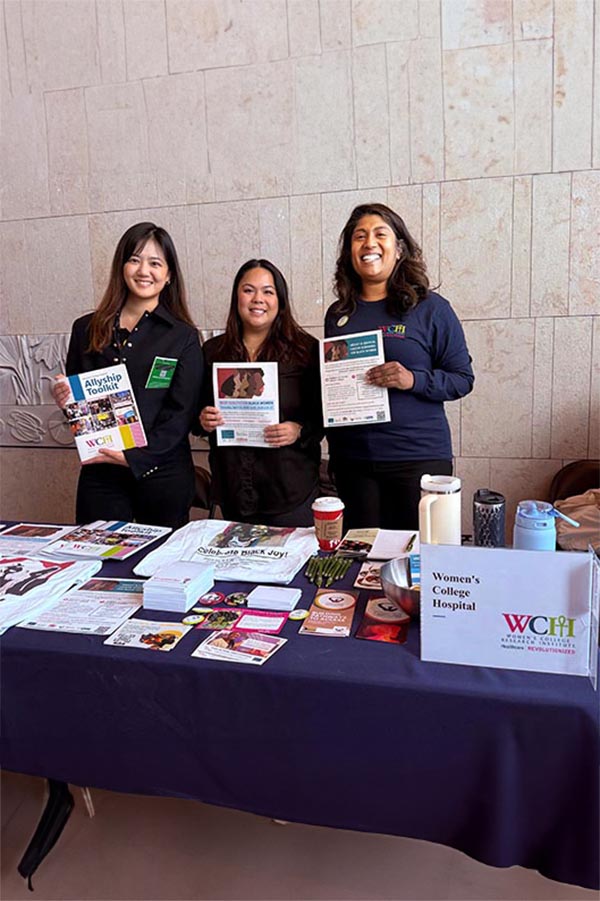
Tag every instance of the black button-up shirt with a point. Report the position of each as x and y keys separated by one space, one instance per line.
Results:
x=167 y=413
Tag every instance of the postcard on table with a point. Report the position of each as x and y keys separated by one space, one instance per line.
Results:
x=384 y=620
x=148 y=634
x=348 y=399
x=247 y=394
x=239 y=647
x=368 y=577
x=102 y=412
x=330 y=613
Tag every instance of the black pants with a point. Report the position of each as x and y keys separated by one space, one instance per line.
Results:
x=384 y=495
x=301 y=515
x=163 y=498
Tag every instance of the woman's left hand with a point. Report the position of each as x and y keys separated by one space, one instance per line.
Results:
x=110 y=456
x=282 y=434
x=391 y=375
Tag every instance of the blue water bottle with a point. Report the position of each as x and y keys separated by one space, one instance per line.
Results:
x=535 y=526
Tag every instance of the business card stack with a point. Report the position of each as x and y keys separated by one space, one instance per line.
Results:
x=271 y=597
x=178 y=586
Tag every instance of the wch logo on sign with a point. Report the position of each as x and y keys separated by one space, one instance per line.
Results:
x=556 y=626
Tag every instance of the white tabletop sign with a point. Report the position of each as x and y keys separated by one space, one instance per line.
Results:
x=512 y=609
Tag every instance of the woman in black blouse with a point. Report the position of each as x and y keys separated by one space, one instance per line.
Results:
x=142 y=318
x=269 y=485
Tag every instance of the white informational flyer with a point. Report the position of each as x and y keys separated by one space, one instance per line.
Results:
x=97 y=608
x=247 y=394
x=348 y=399
x=240 y=552
x=512 y=609
x=29 y=538
x=102 y=412
x=30 y=584
x=148 y=634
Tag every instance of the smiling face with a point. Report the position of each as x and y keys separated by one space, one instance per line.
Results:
x=374 y=250
x=146 y=273
x=257 y=301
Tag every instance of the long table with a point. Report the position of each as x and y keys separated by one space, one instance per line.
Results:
x=337 y=732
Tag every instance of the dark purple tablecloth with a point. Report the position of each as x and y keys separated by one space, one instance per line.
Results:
x=338 y=732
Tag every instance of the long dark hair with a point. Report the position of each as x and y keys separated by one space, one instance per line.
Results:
x=407 y=285
x=286 y=340
x=173 y=295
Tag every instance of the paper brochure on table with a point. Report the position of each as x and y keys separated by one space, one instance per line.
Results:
x=97 y=608
x=348 y=399
x=247 y=394
x=378 y=544
x=511 y=609
x=102 y=412
x=107 y=539
x=29 y=538
x=240 y=552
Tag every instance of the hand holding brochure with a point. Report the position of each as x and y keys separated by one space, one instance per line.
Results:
x=348 y=399
x=102 y=412
x=247 y=394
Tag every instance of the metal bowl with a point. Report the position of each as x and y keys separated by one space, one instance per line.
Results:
x=395 y=581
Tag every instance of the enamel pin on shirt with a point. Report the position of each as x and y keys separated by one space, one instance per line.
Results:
x=342 y=321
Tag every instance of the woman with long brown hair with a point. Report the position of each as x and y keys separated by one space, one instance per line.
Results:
x=381 y=283
x=272 y=485
x=142 y=319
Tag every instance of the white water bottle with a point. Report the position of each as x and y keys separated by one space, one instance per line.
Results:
x=440 y=510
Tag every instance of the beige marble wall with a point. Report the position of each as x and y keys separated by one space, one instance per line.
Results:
x=253 y=126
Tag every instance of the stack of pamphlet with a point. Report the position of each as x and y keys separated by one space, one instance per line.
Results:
x=269 y=597
x=178 y=586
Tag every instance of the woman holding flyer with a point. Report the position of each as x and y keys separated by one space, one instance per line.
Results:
x=275 y=484
x=381 y=284
x=144 y=323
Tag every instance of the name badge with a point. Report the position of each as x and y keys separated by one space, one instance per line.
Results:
x=162 y=372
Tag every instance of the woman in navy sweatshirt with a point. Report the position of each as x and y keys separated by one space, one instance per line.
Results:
x=381 y=283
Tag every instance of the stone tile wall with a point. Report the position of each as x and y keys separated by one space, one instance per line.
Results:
x=252 y=127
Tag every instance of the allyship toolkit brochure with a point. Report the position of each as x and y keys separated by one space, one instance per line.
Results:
x=330 y=614
x=102 y=412
x=107 y=540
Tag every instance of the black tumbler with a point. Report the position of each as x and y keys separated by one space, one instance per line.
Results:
x=488 y=518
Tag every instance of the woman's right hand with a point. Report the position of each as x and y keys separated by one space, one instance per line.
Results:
x=210 y=418
x=60 y=391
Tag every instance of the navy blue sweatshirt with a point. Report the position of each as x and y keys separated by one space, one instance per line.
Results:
x=428 y=340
